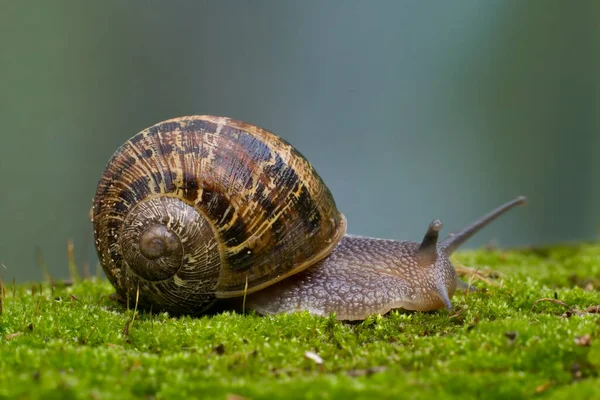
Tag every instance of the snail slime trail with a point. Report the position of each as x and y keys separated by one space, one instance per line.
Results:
x=200 y=208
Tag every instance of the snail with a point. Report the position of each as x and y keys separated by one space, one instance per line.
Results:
x=200 y=208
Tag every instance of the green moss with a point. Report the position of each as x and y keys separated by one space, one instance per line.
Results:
x=70 y=343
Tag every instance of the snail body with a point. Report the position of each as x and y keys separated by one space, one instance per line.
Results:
x=201 y=208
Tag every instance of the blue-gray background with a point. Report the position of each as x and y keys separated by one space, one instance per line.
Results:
x=410 y=110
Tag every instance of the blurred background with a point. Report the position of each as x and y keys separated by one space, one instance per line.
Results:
x=409 y=110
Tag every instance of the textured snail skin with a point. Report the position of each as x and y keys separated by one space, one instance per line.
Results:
x=365 y=276
x=201 y=208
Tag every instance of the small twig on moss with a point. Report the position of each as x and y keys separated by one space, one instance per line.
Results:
x=43 y=266
x=457 y=314
x=129 y=322
x=543 y=387
x=551 y=300
x=87 y=274
x=126 y=328
x=90 y=334
x=37 y=308
x=570 y=310
x=472 y=276
x=584 y=340
x=470 y=283
x=233 y=396
x=12 y=335
x=593 y=309
x=366 y=372
x=474 y=273
x=74 y=274
x=244 y=300
x=2 y=291
x=98 y=272
x=137 y=297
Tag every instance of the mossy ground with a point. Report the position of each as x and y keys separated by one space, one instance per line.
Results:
x=71 y=342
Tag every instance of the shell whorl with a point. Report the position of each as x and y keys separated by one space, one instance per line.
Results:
x=214 y=208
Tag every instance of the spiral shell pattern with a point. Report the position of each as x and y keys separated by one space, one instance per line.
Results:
x=202 y=207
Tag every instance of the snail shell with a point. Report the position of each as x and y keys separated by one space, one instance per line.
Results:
x=202 y=207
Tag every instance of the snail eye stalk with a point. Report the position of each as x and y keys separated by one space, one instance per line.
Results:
x=428 y=248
